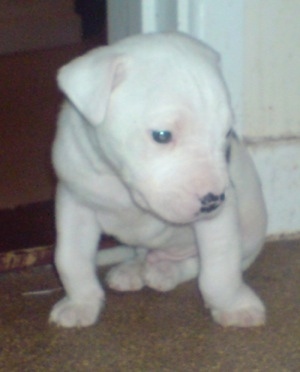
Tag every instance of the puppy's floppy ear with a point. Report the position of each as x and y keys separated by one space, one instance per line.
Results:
x=213 y=56
x=89 y=80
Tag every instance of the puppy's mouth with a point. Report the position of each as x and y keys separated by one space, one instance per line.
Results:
x=140 y=200
x=209 y=214
x=175 y=214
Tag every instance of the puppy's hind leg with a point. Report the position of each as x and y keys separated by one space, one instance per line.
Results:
x=165 y=275
x=162 y=274
x=115 y=255
x=128 y=276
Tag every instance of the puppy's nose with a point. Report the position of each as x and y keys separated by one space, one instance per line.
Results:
x=210 y=202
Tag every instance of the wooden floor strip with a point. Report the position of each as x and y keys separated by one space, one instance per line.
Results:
x=42 y=255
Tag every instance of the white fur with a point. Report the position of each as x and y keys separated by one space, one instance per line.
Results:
x=115 y=179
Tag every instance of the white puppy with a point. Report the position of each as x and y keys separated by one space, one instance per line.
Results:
x=145 y=151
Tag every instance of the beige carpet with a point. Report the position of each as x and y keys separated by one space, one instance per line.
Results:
x=150 y=331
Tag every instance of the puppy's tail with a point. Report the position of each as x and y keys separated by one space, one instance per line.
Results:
x=115 y=255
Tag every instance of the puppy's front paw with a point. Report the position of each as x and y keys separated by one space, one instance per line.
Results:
x=247 y=311
x=162 y=275
x=248 y=317
x=126 y=276
x=68 y=313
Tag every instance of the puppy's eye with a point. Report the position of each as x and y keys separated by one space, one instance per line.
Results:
x=228 y=153
x=162 y=136
x=229 y=133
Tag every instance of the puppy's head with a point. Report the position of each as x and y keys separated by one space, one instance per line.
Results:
x=161 y=116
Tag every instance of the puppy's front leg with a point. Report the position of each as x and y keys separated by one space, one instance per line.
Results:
x=77 y=239
x=231 y=301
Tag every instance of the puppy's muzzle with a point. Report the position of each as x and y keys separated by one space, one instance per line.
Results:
x=211 y=202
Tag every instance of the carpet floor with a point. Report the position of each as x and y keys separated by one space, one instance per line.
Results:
x=150 y=331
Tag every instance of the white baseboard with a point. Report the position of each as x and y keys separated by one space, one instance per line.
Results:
x=278 y=163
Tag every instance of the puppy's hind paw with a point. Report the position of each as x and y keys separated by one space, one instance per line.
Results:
x=67 y=313
x=162 y=276
x=126 y=277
